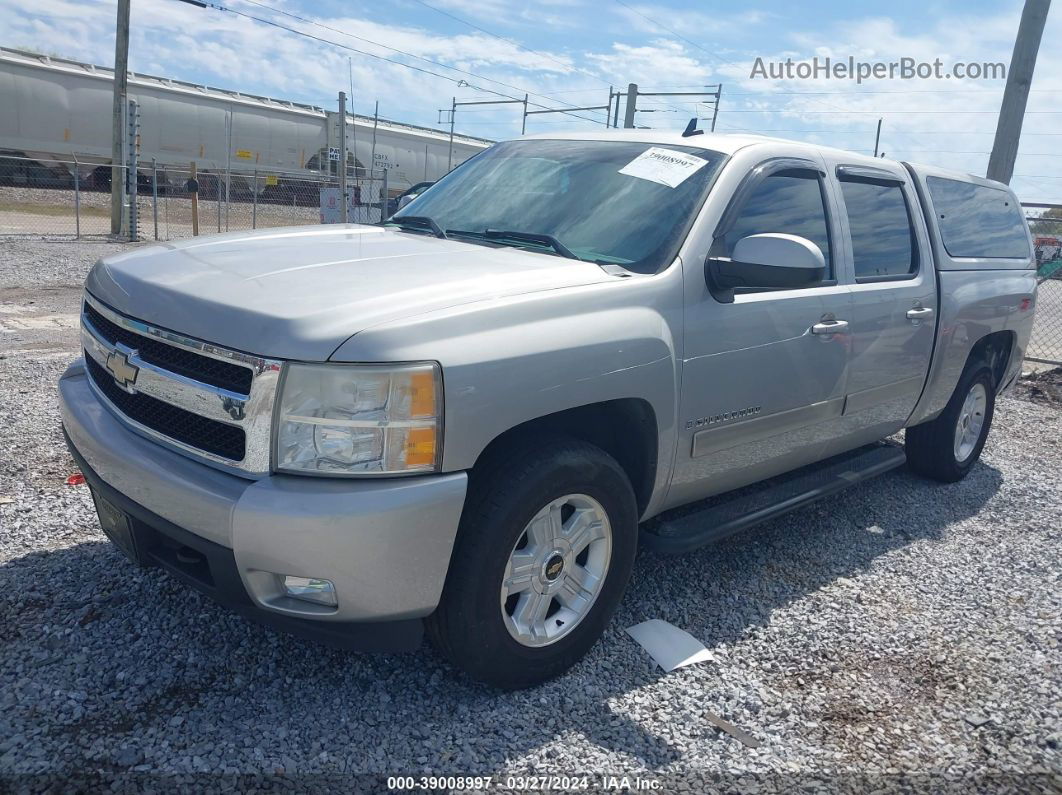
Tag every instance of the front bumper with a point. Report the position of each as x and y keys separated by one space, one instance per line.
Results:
x=384 y=543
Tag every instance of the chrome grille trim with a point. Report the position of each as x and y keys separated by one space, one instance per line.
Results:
x=252 y=412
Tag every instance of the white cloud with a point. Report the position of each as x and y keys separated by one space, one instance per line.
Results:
x=184 y=42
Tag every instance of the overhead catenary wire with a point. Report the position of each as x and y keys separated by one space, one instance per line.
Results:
x=329 y=42
x=514 y=43
x=323 y=26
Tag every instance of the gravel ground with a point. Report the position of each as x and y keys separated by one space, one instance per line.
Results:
x=903 y=635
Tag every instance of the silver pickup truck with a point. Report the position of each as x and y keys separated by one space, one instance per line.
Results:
x=465 y=421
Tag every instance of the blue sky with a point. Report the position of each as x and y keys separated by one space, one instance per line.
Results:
x=568 y=52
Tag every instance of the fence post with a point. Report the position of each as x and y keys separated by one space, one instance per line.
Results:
x=132 y=169
x=217 y=197
x=384 y=198
x=155 y=195
x=77 y=199
x=254 y=202
x=195 y=200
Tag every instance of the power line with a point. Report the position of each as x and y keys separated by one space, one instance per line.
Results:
x=567 y=65
x=401 y=52
x=347 y=47
x=513 y=42
x=678 y=35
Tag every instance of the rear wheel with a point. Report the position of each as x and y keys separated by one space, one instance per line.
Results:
x=947 y=448
x=546 y=547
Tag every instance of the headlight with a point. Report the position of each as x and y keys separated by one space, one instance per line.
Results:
x=338 y=419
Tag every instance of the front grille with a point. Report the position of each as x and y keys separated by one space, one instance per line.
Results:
x=205 y=369
x=183 y=426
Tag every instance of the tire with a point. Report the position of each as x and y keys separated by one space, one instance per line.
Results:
x=934 y=449
x=574 y=491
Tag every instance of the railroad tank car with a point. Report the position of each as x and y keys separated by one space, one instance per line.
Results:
x=56 y=108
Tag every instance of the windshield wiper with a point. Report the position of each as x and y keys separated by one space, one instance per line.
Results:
x=419 y=222
x=530 y=237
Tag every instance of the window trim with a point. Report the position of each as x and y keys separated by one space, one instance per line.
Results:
x=757 y=175
x=848 y=173
x=874 y=176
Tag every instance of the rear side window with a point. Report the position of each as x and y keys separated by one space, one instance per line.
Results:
x=788 y=202
x=882 y=238
x=978 y=221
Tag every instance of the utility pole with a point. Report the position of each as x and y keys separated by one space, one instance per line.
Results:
x=343 y=156
x=523 y=124
x=1016 y=93
x=632 y=104
x=877 y=138
x=453 y=112
x=118 y=112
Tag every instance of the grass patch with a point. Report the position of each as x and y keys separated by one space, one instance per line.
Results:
x=52 y=209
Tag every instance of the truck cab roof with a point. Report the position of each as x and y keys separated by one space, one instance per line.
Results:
x=731 y=143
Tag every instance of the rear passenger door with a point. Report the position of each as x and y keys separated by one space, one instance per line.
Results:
x=894 y=299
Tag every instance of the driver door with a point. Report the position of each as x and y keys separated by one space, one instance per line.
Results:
x=764 y=377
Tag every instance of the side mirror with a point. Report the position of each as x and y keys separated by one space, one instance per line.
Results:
x=771 y=260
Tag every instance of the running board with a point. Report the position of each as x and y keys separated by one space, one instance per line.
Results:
x=727 y=514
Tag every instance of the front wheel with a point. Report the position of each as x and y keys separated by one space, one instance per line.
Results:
x=546 y=547
x=948 y=447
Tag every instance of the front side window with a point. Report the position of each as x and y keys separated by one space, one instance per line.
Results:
x=575 y=193
x=882 y=238
x=978 y=220
x=788 y=202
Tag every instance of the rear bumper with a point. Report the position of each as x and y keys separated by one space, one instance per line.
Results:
x=385 y=543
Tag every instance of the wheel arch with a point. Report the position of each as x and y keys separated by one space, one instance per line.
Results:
x=625 y=428
x=994 y=349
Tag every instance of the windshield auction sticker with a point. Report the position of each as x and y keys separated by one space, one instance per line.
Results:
x=663 y=166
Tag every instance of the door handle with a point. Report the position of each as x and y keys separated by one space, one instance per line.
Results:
x=919 y=313
x=830 y=327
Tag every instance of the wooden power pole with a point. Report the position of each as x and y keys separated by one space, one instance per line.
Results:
x=632 y=105
x=118 y=132
x=1016 y=94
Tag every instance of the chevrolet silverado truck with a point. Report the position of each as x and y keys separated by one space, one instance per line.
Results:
x=464 y=422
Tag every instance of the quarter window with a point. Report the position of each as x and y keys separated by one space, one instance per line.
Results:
x=788 y=202
x=978 y=220
x=882 y=238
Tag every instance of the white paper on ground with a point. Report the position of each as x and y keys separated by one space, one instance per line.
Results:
x=669 y=646
x=663 y=166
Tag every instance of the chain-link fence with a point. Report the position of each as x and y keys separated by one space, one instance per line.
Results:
x=73 y=198
x=1045 y=223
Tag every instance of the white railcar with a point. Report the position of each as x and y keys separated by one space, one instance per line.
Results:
x=55 y=108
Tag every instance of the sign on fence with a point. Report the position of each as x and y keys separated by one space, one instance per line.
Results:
x=331 y=207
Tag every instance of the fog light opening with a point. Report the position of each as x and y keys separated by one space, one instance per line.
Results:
x=310 y=589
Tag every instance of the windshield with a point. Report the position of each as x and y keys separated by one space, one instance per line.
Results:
x=601 y=201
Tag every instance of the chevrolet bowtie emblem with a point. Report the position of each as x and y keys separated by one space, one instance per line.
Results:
x=119 y=366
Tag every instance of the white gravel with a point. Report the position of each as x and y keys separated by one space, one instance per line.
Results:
x=903 y=635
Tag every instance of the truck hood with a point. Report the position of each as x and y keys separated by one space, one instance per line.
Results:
x=298 y=293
